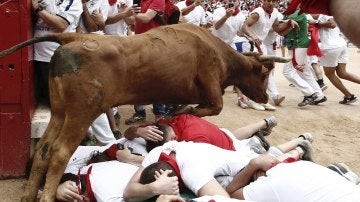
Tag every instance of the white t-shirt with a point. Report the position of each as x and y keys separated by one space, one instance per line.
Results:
x=196 y=16
x=120 y=27
x=109 y=179
x=199 y=163
x=301 y=181
x=95 y=5
x=330 y=38
x=69 y=10
x=262 y=26
x=83 y=153
x=231 y=26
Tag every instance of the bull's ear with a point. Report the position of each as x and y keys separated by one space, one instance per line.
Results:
x=264 y=69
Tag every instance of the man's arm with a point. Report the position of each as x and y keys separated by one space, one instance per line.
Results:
x=282 y=27
x=123 y=13
x=147 y=16
x=51 y=20
x=328 y=24
x=262 y=163
x=218 y=24
x=126 y=156
x=252 y=19
x=190 y=8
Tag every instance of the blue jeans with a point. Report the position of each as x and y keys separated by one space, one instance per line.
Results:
x=158 y=109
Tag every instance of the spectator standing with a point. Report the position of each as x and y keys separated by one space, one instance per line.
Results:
x=144 y=21
x=192 y=12
x=51 y=17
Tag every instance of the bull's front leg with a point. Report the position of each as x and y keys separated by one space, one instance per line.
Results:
x=207 y=110
x=41 y=158
x=72 y=133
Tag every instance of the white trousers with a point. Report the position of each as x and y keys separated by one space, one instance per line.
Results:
x=304 y=81
x=100 y=128
x=272 y=89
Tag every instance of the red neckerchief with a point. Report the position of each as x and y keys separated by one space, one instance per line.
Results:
x=88 y=186
x=263 y=7
x=168 y=159
x=112 y=2
x=188 y=2
x=309 y=6
x=236 y=11
x=313 y=48
x=111 y=151
x=295 y=64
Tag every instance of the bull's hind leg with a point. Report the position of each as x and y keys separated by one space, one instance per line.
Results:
x=70 y=136
x=41 y=157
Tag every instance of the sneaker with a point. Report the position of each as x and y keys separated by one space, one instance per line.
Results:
x=348 y=100
x=264 y=143
x=306 y=147
x=135 y=119
x=345 y=171
x=256 y=145
x=241 y=103
x=308 y=99
x=307 y=136
x=323 y=87
x=255 y=105
x=271 y=122
x=316 y=102
x=268 y=107
x=278 y=100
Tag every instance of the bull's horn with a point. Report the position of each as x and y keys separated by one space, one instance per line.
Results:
x=274 y=58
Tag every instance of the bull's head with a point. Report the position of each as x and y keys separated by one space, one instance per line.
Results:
x=255 y=81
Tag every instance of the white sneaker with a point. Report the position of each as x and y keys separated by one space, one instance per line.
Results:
x=255 y=105
x=269 y=107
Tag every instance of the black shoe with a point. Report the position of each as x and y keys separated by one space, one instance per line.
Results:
x=308 y=99
x=306 y=147
x=348 y=100
x=316 y=102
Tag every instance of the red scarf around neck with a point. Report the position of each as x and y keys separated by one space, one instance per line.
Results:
x=112 y=2
x=188 y=2
x=168 y=159
x=263 y=7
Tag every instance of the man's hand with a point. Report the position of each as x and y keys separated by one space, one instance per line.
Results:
x=68 y=191
x=150 y=133
x=294 y=25
x=265 y=162
x=165 y=184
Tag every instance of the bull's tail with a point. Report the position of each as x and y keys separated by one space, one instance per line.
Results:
x=58 y=38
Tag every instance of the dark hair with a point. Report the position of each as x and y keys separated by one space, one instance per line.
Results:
x=97 y=157
x=148 y=174
x=152 y=144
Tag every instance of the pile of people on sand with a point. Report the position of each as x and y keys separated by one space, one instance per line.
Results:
x=259 y=29
x=187 y=155
x=190 y=158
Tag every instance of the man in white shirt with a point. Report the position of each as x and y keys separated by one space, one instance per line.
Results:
x=335 y=57
x=52 y=17
x=257 y=26
x=192 y=12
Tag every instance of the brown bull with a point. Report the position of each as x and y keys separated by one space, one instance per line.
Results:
x=181 y=64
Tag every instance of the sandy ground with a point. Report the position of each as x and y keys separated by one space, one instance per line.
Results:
x=335 y=127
